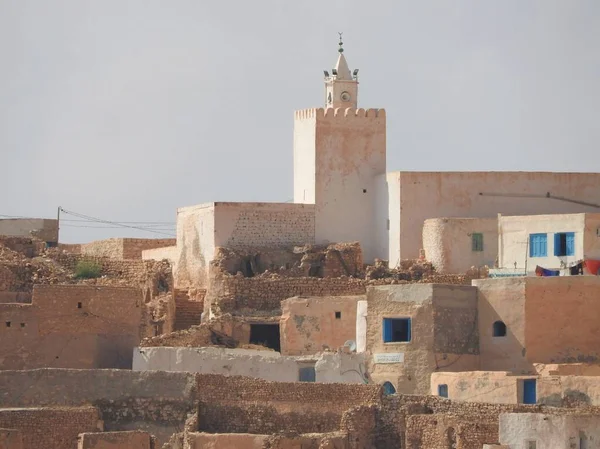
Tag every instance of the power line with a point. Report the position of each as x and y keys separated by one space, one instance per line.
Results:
x=114 y=223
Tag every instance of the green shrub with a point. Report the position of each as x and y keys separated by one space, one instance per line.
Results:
x=87 y=269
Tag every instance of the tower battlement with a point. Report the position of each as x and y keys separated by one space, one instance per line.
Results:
x=339 y=113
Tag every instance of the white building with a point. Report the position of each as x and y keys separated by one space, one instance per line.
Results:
x=340 y=180
x=554 y=242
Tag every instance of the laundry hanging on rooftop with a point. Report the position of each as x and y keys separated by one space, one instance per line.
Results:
x=539 y=271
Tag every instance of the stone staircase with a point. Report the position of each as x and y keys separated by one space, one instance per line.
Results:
x=187 y=311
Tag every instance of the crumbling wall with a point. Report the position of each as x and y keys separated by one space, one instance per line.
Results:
x=51 y=428
x=40 y=228
x=244 y=405
x=447 y=431
x=72 y=326
x=157 y=402
x=116 y=440
x=239 y=295
x=123 y=248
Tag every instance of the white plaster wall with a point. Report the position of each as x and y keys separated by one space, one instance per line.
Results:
x=305 y=129
x=382 y=217
x=361 y=326
x=393 y=186
x=448 y=243
x=350 y=155
x=263 y=225
x=514 y=231
x=195 y=245
x=456 y=194
x=269 y=365
x=549 y=431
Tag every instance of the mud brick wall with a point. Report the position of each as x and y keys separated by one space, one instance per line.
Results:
x=50 y=428
x=18 y=297
x=444 y=431
x=116 y=440
x=26 y=246
x=11 y=439
x=158 y=402
x=243 y=405
x=240 y=295
x=123 y=248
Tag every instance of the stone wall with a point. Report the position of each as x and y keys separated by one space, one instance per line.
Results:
x=448 y=431
x=157 y=402
x=40 y=228
x=201 y=440
x=263 y=295
x=11 y=439
x=72 y=326
x=51 y=428
x=123 y=248
x=243 y=405
x=310 y=324
x=116 y=440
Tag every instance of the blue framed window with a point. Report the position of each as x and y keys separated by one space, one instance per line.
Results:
x=538 y=245
x=443 y=390
x=396 y=330
x=564 y=244
x=388 y=388
x=477 y=241
x=307 y=374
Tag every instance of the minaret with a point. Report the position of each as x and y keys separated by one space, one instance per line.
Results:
x=339 y=166
x=341 y=87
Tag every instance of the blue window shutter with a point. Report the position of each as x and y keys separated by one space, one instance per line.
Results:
x=544 y=249
x=570 y=243
x=556 y=244
x=387 y=330
x=409 y=329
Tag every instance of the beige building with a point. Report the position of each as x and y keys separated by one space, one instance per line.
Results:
x=414 y=330
x=551 y=241
x=528 y=320
x=454 y=245
x=542 y=431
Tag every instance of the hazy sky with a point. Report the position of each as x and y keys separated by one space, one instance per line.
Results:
x=128 y=109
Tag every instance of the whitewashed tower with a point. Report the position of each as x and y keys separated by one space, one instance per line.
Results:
x=339 y=165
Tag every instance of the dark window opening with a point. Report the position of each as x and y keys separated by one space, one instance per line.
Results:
x=451 y=438
x=388 y=388
x=477 y=242
x=248 y=271
x=564 y=244
x=22 y=324
x=364 y=190
x=266 y=335
x=443 y=390
x=338 y=315
x=315 y=271
x=8 y=324
x=499 y=329
x=396 y=330
x=307 y=374
x=79 y=305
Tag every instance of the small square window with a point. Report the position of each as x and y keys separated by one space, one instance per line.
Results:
x=8 y=324
x=530 y=444
x=538 y=245
x=396 y=330
x=22 y=324
x=477 y=241
x=307 y=374
x=443 y=390
x=338 y=315
x=79 y=305
x=564 y=244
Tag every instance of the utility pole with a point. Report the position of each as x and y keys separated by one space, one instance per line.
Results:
x=58 y=224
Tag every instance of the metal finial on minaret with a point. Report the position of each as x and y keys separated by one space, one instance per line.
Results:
x=341 y=49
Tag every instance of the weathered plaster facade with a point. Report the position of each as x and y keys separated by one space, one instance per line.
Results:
x=542 y=431
x=41 y=228
x=310 y=325
x=449 y=245
x=330 y=367
x=443 y=333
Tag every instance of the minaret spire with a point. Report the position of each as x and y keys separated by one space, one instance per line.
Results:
x=342 y=86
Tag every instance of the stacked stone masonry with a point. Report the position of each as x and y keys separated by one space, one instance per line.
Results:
x=51 y=428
